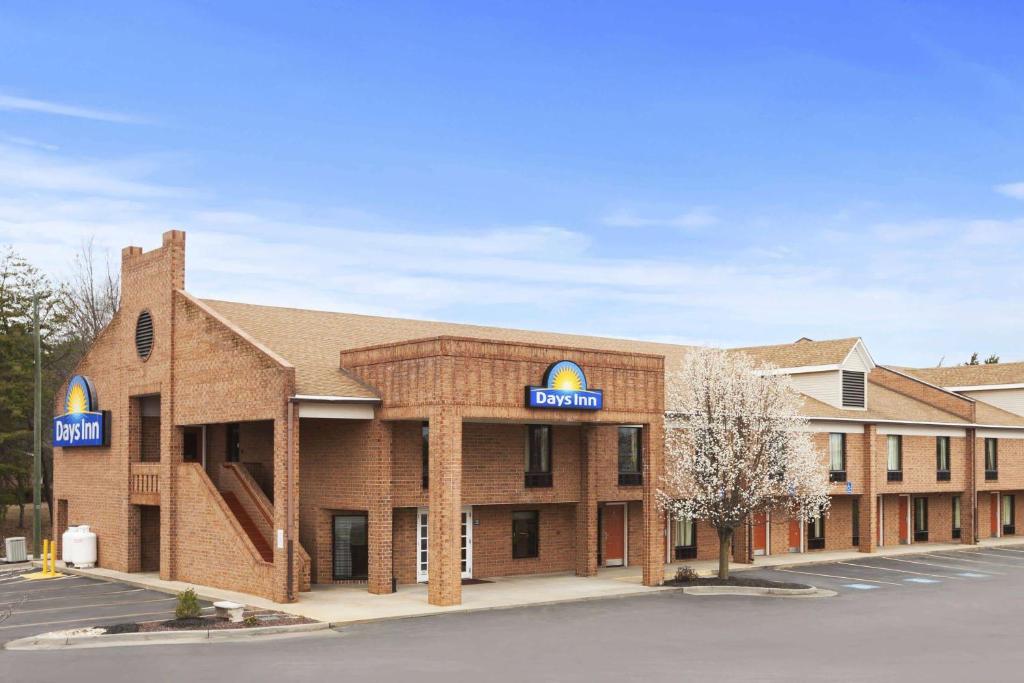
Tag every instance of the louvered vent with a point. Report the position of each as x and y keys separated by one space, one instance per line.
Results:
x=853 y=389
x=144 y=335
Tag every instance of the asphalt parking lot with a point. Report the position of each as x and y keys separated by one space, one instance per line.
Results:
x=74 y=602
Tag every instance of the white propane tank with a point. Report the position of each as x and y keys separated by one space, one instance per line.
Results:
x=65 y=543
x=80 y=547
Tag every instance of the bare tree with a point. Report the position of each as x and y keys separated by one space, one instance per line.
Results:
x=93 y=295
x=736 y=446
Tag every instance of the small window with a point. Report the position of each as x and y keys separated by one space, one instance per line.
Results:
x=234 y=442
x=894 y=457
x=816 y=533
x=525 y=534
x=350 y=557
x=837 y=456
x=191 y=444
x=686 y=539
x=853 y=389
x=538 y=455
x=920 y=519
x=942 y=458
x=991 y=459
x=956 y=516
x=1009 y=514
x=630 y=456
x=425 y=454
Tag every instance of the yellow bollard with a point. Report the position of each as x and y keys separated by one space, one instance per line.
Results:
x=46 y=555
x=51 y=569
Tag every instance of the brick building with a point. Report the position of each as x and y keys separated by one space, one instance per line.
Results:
x=263 y=449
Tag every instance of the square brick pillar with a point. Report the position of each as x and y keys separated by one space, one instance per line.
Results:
x=444 y=532
x=380 y=514
x=869 y=498
x=654 y=518
x=586 y=508
x=171 y=458
x=743 y=544
x=969 y=498
x=286 y=517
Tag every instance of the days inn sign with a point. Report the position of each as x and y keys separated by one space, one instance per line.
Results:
x=565 y=388
x=82 y=424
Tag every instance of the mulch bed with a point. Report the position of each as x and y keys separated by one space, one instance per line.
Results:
x=736 y=581
x=263 y=618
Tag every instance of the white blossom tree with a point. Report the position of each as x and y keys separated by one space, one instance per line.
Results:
x=736 y=446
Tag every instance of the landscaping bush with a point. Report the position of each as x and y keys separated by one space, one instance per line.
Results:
x=686 y=573
x=188 y=605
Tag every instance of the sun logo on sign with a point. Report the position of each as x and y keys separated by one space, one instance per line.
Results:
x=566 y=376
x=79 y=398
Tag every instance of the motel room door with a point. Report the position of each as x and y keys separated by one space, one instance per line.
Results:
x=993 y=506
x=422 y=544
x=904 y=519
x=760 y=534
x=613 y=534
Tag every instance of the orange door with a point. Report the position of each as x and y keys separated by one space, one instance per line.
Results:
x=881 y=520
x=904 y=512
x=613 y=528
x=993 y=507
x=794 y=536
x=760 y=534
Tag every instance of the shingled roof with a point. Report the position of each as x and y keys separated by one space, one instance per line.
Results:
x=802 y=353
x=970 y=375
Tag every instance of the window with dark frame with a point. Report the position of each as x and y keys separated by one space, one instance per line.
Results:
x=920 y=518
x=525 y=534
x=234 y=453
x=630 y=456
x=942 y=458
x=991 y=459
x=855 y=522
x=1009 y=514
x=686 y=539
x=837 y=456
x=816 y=533
x=425 y=453
x=894 y=457
x=956 y=516
x=191 y=450
x=538 y=456
x=350 y=558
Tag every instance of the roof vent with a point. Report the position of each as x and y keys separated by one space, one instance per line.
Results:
x=144 y=335
x=853 y=389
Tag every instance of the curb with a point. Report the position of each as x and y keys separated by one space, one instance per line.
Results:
x=44 y=642
x=760 y=591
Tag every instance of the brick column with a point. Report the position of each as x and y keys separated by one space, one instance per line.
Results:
x=171 y=448
x=654 y=519
x=869 y=498
x=444 y=533
x=380 y=512
x=284 y=519
x=586 y=508
x=969 y=498
x=742 y=544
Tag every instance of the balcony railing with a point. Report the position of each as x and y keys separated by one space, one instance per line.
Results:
x=145 y=477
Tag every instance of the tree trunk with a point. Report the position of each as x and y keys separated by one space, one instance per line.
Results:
x=724 y=551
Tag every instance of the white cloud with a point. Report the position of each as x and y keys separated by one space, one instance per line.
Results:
x=698 y=217
x=1015 y=190
x=13 y=103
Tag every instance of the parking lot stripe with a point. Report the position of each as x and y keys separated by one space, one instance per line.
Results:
x=64 y=597
x=93 y=618
x=100 y=604
x=836 y=576
x=891 y=569
x=32 y=588
x=989 y=554
x=964 y=559
x=1002 y=549
x=933 y=564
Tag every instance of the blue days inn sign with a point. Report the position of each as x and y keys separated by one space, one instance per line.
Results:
x=82 y=423
x=565 y=388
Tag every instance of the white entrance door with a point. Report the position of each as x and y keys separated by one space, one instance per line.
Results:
x=422 y=549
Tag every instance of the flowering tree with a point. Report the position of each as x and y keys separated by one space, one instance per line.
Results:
x=736 y=446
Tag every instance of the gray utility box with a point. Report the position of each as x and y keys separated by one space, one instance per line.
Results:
x=15 y=549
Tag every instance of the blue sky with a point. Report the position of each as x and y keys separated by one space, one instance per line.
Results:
x=690 y=172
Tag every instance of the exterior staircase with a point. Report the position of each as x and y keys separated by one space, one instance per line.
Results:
x=249 y=526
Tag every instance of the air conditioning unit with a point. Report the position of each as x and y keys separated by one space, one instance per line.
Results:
x=15 y=549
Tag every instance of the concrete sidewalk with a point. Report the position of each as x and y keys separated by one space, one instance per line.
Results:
x=352 y=603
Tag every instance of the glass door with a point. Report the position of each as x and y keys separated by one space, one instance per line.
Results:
x=423 y=545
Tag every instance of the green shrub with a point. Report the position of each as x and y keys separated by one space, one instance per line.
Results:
x=251 y=620
x=188 y=605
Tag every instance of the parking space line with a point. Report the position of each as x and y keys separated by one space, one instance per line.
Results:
x=100 y=604
x=836 y=576
x=31 y=588
x=988 y=554
x=891 y=569
x=964 y=559
x=64 y=597
x=92 y=618
x=932 y=564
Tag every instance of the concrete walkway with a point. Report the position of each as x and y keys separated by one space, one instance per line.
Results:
x=352 y=603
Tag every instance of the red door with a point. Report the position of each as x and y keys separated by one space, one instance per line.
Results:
x=993 y=507
x=613 y=528
x=904 y=512
x=760 y=534
x=881 y=520
x=794 y=536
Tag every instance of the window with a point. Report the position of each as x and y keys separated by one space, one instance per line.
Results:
x=234 y=442
x=991 y=459
x=686 y=539
x=538 y=455
x=920 y=519
x=525 y=534
x=855 y=522
x=191 y=440
x=942 y=458
x=894 y=457
x=853 y=389
x=837 y=457
x=956 y=516
x=425 y=453
x=816 y=533
x=350 y=559
x=1009 y=506
x=630 y=454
